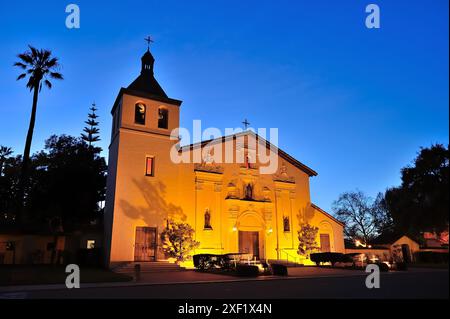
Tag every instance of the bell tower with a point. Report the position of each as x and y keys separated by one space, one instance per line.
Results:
x=139 y=164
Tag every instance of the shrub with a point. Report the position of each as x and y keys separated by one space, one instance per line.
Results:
x=247 y=270
x=208 y=261
x=279 y=270
x=307 y=240
x=204 y=261
x=178 y=240
x=383 y=267
x=332 y=258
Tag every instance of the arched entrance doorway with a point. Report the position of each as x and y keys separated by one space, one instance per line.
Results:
x=251 y=234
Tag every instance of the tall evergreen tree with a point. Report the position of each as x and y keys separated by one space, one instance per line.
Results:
x=91 y=132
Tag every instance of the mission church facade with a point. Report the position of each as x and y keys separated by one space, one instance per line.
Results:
x=232 y=207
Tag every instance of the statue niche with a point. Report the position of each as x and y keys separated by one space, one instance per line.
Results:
x=207 y=224
x=286 y=224
x=248 y=191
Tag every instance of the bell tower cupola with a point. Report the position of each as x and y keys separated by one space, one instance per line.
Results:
x=146 y=82
x=147 y=63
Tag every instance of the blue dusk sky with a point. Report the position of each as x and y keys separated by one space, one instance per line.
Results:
x=354 y=104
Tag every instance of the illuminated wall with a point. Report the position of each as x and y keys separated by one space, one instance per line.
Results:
x=280 y=202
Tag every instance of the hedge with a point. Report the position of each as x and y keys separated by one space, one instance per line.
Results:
x=332 y=258
x=432 y=257
x=279 y=270
x=208 y=261
x=247 y=270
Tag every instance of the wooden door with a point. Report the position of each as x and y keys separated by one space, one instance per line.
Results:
x=325 y=243
x=249 y=243
x=145 y=244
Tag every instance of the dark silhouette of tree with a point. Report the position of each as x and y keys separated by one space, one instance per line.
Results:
x=67 y=183
x=421 y=203
x=364 y=218
x=9 y=178
x=91 y=132
x=5 y=152
x=39 y=66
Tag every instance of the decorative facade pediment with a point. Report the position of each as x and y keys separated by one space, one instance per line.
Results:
x=282 y=175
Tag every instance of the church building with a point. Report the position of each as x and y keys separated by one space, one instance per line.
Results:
x=232 y=206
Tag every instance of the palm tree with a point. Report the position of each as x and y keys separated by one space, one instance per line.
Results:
x=40 y=66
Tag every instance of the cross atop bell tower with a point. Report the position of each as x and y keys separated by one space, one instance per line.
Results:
x=149 y=40
x=246 y=124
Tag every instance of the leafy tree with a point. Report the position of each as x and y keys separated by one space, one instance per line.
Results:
x=364 y=218
x=40 y=66
x=307 y=235
x=67 y=183
x=9 y=179
x=421 y=203
x=91 y=132
x=383 y=218
x=5 y=152
x=178 y=240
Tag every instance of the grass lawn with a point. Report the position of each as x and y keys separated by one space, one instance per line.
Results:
x=47 y=274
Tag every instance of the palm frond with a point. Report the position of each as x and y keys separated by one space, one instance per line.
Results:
x=45 y=54
x=25 y=57
x=20 y=77
x=20 y=65
x=56 y=75
x=48 y=84
x=53 y=62
x=30 y=83
x=34 y=51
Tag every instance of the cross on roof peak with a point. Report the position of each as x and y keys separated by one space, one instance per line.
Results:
x=246 y=124
x=149 y=40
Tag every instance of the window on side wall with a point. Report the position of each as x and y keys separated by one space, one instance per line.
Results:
x=90 y=244
x=150 y=166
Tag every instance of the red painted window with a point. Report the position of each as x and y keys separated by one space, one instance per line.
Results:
x=149 y=166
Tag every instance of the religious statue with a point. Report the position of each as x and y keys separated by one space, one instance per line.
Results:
x=286 y=225
x=207 y=220
x=249 y=192
x=208 y=158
